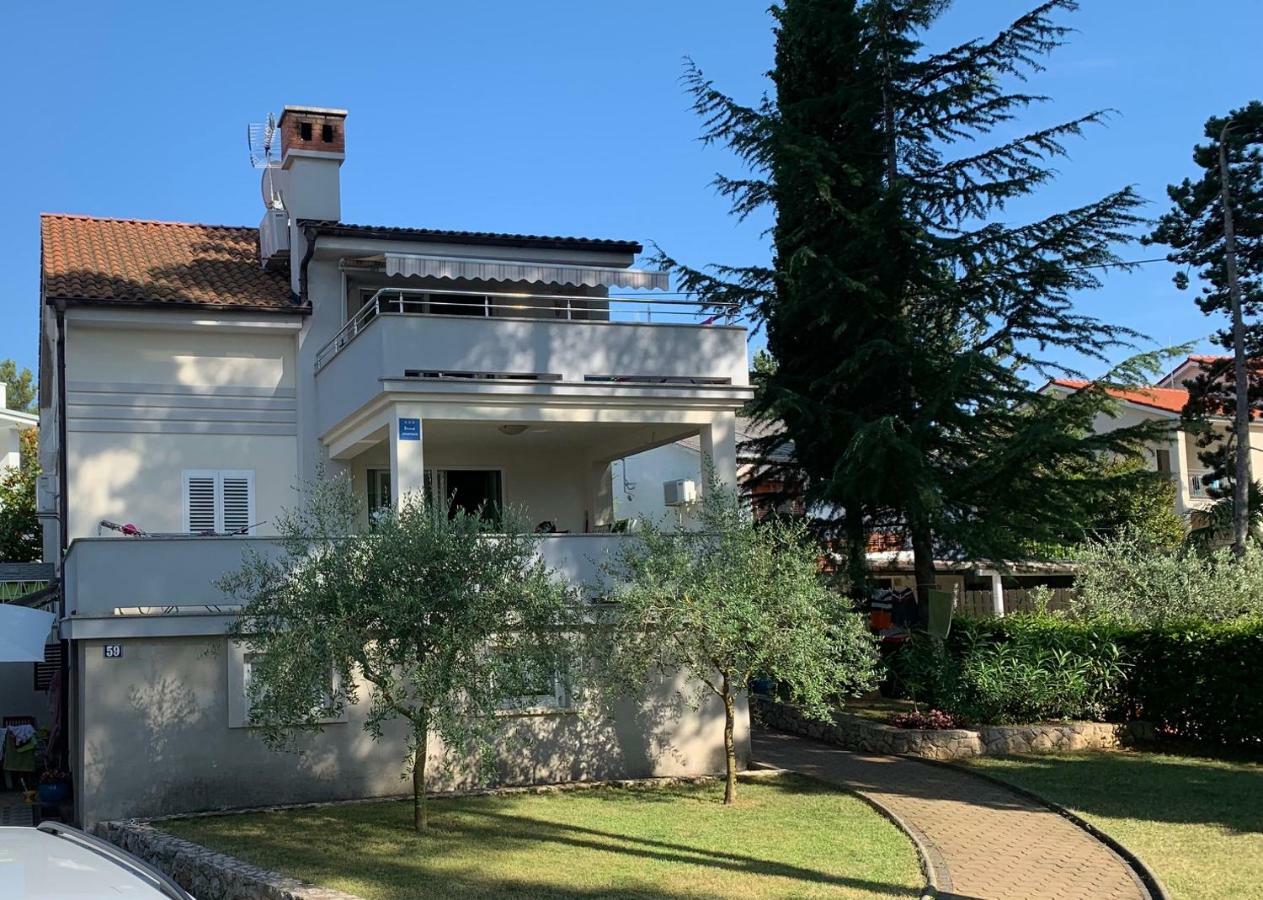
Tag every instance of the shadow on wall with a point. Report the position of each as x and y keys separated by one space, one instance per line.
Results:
x=157 y=742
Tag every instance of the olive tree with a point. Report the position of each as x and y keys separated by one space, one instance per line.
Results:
x=727 y=602
x=444 y=620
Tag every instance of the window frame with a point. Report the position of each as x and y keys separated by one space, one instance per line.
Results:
x=238 y=684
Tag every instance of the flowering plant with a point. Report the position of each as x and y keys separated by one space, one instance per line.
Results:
x=934 y=720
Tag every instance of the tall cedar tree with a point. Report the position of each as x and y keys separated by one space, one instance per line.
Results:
x=904 y=316
x=1196 y=230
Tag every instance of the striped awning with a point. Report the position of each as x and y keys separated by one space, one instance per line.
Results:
x=546 y=273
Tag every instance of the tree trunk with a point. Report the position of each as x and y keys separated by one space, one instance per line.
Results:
x=1242 y=476
x=923 y=568
x=730 y=746
x=420 y=811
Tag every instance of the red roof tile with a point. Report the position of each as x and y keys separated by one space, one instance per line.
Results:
x=132 y=261
x=1165 y=399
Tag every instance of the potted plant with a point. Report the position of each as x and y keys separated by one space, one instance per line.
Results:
x=54 y=787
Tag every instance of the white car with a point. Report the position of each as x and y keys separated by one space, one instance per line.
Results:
x=56 y=861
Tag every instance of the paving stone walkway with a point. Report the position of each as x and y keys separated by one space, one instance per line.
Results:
x=983 y=841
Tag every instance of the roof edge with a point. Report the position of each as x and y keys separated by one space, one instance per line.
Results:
x=442 y=236
x=65 y=302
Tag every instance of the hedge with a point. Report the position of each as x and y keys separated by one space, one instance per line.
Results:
x=1200 y=681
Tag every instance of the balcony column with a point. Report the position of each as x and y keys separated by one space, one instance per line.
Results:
x=719 y=450
x=407 y=459
x=599 y=496
x=1183 y=477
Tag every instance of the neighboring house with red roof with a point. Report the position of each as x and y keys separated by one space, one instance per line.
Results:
x=191 y=375
x=1164 y=402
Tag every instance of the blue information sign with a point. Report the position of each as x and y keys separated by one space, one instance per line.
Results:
x=409 y=429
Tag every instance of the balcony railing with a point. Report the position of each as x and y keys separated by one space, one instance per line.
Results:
x=573 y=308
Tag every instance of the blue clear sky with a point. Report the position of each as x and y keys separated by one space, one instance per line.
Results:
x=543 y=117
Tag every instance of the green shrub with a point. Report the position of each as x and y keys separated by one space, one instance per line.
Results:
x=1032 y=672
x=1196 y=681
x=1125 y=579
x=1199 y=681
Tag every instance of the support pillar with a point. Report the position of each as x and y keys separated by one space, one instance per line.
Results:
x=997 y=594
x=407 y=458
x=719 y=448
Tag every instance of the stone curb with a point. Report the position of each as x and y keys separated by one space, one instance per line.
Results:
x=206 y=874
x=1152 y=883
x=865 y=736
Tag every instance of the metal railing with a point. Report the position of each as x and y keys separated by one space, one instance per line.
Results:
x=575 y=308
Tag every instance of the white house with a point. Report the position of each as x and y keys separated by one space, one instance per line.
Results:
x=12 y=423
x=1163 y=402
x=197 y=373
x=644 y=484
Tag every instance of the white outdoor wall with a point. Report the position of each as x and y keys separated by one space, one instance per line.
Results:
x=144 y=404
x=155 y=740
x=137 y=478
x=647 y=471
x=392 y=344
x=181 y=357
x=547 y=484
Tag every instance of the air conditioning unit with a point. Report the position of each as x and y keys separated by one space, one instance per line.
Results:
x=681 y=492
x=274 y=237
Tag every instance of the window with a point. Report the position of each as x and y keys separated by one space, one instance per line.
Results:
x=218 y=501
x=241 y=662
x=47 y=670
x=541 y=688
x=1163 y=459
x=379 y=496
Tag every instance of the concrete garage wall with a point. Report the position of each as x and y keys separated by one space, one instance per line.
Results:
x=156 y=740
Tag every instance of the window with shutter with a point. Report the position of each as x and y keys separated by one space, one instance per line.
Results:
x=199 y=502
x=218 y=502
x=237 y=507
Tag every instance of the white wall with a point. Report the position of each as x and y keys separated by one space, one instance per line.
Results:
x=144 y=404
x=548 y=484
x=155 y=740
x=647 y=471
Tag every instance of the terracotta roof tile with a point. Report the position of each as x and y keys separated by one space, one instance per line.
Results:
x=131 y=261
x=1165 y=399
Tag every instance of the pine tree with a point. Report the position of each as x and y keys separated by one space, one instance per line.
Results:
x=1216 y=225
x=907 y=319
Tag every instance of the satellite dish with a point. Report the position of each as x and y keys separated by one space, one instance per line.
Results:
x=261 y=138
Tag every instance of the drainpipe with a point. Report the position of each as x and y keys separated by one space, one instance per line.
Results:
x=68 y=648
x=63 y=501
x=310 y=233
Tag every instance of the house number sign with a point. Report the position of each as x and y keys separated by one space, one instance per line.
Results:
x=113 y=651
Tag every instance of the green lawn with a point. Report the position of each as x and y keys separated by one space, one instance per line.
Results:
x=786 y=837
x=1196 y=822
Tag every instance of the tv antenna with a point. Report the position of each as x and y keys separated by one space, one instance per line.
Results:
x=261 y=138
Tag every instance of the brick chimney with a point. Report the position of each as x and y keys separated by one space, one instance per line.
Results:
x=313 y=146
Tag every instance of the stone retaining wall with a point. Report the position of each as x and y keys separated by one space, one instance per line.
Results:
x=205 y=874
x=867 y=736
